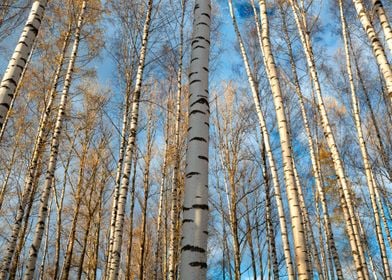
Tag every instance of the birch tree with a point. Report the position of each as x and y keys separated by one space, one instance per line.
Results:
x=266 y=140
x=363 y=148
x=118 y=232
x=195 y=207
x=175 y=178
x=19 y=59
x=315 y=168
x=348 y=210
x=378 y=7
x=377 y=47
x=40 y=225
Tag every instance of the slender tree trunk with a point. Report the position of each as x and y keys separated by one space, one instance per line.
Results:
x=234 y=227
x=25 y=225
x=377 y=47
x=83 y=253
x=381 y=148
x=269 y=224
x=351 y=221
x=34 y=249
x=162 y=191
x=229 y=162
x=59 y=208
x=249 y=238
x=16 y=93
x=94 y=266
x=33 y=166
x=366 y=245
x=119 y=171
x=308 y=226
x=165 y=266
x=78 y=199
x=326 y=261
x=90 y=211
x=271 y=160
x=382 y=16
x=384 y=219
x=19 y=58
x=119 y=224
x=363 y=148
x=43 y=261
x=226 y=258
x=146 y=186
x=18 y=138
x=195 y=207
x=175 y=179
x=292 y=193
x=316 y=171
x=132 y=208
x=259 y=251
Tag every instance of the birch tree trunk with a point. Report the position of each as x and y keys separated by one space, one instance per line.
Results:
x=249 y=237
x=363 y=148
x=316 y=171
x=381 y=148
x=146 y=187
x=33 y=166
x=229 y=153
x=175 y=179
x=384 y=219
x=78 y=200
x=131 y=210
x=292 y=192
x=195 y=207
x=348 y=210
x=18 y=137
x=308 y=226
x=378 y=50
x=162 y=191
x=119 y=171
x=119 y=224
x=90 y=212
x=386 y=27
x=35 y=246
x=268 y=218
x=16 y=93
x=25 y=224
x=266 y=140
x=59 y=208
x=43 y=261
x=20 y=56
x=84 y=248
x=94 y=268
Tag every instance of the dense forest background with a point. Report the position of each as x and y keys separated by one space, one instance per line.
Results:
x=101 y=144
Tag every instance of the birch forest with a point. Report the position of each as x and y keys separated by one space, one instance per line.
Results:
x=196 y=139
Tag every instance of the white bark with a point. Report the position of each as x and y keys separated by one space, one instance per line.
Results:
x=195 y=207
x=363 y=148
x=119 y=224
x=119 y=171
x=37 y=152
x=316 y=171
x=266 y=140
x=54 y=149
x=175 y=179
x=377 y=47
x=162 y=192
x=19 y=59
x=348 y=210
x=16 y=93
x=43 y=261
x=386 y=27
x=303 y=268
